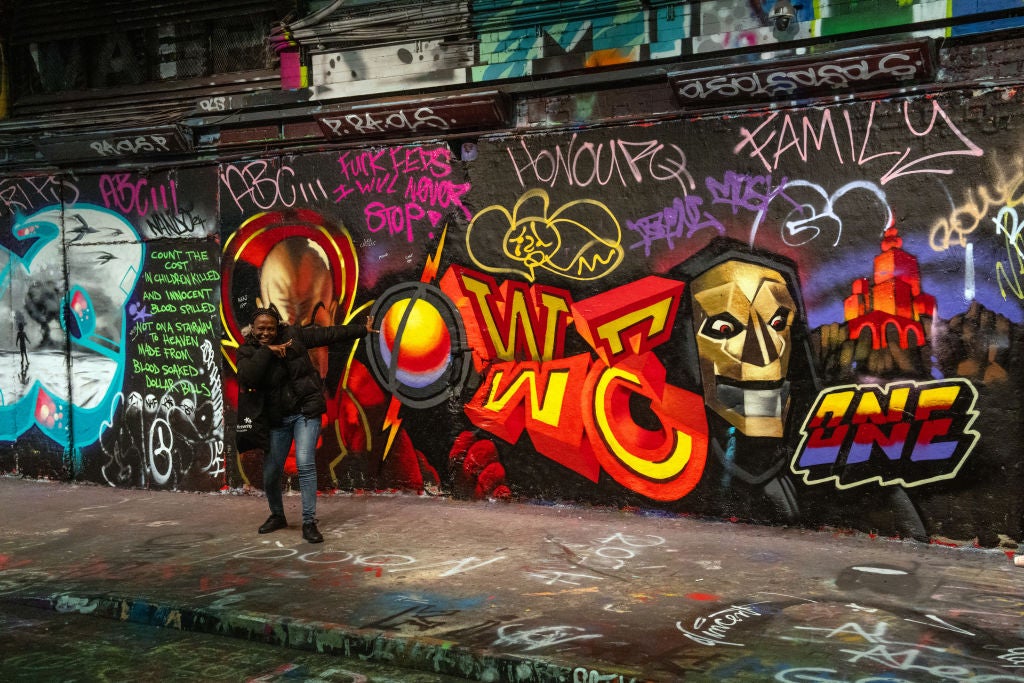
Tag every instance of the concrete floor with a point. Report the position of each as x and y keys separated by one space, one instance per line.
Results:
x=505 y=592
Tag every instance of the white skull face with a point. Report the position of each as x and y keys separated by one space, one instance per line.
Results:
x=743 y=315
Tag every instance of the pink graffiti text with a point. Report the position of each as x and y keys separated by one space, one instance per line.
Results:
x=127 y=194
x=616 y=162
x=416 y=181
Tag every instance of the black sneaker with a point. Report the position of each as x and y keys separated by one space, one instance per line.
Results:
x=273 y=523
x=311 y=533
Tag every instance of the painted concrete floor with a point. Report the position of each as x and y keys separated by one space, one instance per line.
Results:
x=500 y=592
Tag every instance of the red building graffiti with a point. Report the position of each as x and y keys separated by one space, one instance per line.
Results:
x=894 y=298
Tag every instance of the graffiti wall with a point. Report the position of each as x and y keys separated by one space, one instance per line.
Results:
x=110 y=286
x=809 y=316
x=4 y=88
x=796 y=316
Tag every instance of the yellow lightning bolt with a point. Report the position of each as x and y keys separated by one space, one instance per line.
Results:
x=430 y=267
x=391 y=420
x=391 y=424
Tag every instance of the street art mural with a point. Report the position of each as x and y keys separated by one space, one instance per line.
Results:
x=306 y=263
x=166 y=428
x=66 y=278
x=111 y=331
x=815 y=320
x=805 y=316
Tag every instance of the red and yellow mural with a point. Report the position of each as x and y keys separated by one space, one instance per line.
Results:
x=802 y=317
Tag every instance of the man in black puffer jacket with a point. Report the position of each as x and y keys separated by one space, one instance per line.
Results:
x=274 y=362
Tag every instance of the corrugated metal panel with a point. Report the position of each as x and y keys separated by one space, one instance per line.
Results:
x=159 y=104
x=502 y=15
x=106 y=128
x=35 y=21
x=386 y=21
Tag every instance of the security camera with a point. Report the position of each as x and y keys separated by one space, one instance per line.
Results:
x=783 y=19
x=781 y=16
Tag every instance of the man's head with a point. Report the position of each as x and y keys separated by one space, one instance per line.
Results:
x=265 y=325
x=296 y=279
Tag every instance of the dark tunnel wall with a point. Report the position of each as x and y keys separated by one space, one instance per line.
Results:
x=808 y=316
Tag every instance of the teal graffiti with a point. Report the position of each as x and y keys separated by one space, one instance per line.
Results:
x=75 y=267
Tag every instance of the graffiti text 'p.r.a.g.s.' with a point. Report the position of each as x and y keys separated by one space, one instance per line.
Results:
x=907 y=433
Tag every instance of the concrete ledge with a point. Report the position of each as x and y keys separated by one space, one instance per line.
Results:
x=370 y=645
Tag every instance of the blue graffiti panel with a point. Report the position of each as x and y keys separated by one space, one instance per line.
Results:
x=67 y=277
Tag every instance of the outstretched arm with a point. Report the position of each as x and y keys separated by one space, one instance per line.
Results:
x=324 y=336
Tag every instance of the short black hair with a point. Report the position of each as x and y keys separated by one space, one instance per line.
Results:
x=270 y=310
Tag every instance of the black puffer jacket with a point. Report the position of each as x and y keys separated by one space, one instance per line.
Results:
x=291 y=385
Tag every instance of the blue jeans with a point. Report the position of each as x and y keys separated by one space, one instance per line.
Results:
x=305 y=431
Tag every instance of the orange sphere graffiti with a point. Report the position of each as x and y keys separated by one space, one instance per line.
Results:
x=423 y=339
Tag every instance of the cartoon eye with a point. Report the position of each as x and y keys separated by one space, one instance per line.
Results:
x=779 y=321
x=721 y=326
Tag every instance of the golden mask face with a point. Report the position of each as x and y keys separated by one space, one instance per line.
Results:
x=743 y=315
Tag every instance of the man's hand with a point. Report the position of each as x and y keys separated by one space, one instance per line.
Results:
x=369 y=325
x=280 y=350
